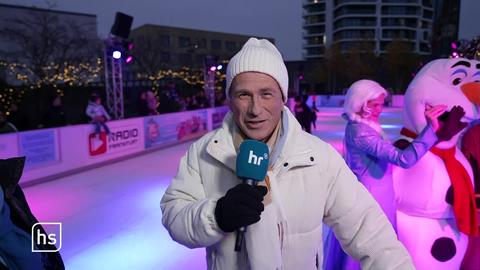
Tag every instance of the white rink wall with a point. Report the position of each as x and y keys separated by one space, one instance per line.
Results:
x=54 y=152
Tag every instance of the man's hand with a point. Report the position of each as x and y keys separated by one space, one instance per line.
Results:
x=241 y=206
x=452 y=124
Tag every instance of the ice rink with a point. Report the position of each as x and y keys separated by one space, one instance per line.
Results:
x=111 y=217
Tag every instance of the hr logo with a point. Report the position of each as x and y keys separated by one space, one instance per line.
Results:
x=254 y=159
x=46 y=242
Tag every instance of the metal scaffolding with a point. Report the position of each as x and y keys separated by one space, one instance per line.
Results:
x=113 y=79
x=209 y=79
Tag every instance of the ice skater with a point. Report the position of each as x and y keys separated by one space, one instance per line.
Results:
x=98 y=114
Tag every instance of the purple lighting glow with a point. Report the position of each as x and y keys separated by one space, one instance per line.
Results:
x=213 y=68
x=454 y=45
x=129 y=59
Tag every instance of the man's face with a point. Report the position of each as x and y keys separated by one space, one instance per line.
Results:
x=256 y=103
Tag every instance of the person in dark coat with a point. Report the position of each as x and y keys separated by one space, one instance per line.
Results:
x=55 y=117
x=5 y=125
x=303 y=113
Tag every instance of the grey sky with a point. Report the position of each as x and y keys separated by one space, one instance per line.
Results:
x=469 y=19
x=280 y=19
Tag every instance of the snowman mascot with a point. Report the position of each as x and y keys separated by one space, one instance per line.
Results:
x=435 y=198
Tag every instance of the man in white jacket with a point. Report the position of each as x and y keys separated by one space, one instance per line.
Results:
x=307 y=183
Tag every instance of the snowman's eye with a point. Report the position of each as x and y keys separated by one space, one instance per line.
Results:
x=457 y=81
x=458 y=76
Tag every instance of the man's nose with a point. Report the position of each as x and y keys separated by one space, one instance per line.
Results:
x=255 y=107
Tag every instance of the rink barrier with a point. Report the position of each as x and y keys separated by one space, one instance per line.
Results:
x=336 y=101
x=58 y=152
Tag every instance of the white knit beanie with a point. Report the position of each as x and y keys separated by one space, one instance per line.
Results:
x=259 y=55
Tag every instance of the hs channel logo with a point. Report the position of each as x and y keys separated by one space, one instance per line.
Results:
x=46 y=242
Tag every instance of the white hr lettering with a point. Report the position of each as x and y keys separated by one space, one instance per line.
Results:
x=252 y=158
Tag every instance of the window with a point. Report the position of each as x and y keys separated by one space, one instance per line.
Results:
x=202 y=43
x=184 y=42
x=164 y=40
x=185 y=58
x=165 y=57
x=199 y=59
x=216 y=44
x=230 y=45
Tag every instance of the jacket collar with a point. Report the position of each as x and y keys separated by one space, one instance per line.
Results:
x=294 y=151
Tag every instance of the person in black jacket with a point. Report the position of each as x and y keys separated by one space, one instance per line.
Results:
x=303 y=113
x=55 y=117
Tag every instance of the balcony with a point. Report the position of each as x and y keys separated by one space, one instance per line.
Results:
x=314 y=20
x=314 y=42
x=399 y=22
x=355 y=22
x=401 y=1
x=355 y=10
x=316 y=8
x=400 y=11
x=400 y=34
x=354 y=35
x=313 y=2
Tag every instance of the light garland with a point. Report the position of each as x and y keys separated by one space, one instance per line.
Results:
x=56 y=76
x=469 y=49
x=191 y=77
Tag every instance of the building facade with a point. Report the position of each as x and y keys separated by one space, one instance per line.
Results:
x=165 y=47
x=354 y=23
x=445 y=27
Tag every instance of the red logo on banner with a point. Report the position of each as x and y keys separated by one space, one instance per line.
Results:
x=96 y=145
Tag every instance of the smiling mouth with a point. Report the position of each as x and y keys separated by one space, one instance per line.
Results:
x=253 y=123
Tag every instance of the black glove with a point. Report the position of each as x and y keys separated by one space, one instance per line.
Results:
x=241 y=206
x=401 y=144
x=452 y=124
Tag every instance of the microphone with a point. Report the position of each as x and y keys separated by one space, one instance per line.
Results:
x=252 y=165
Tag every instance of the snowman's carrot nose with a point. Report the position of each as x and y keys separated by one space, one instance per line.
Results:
x=472 y=91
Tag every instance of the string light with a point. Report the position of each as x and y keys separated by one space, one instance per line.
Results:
x=55 y=75
x=191 y=77
x=469 y=49
x=82 y=73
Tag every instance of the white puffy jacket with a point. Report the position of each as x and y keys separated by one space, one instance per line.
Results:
x=315 y=186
